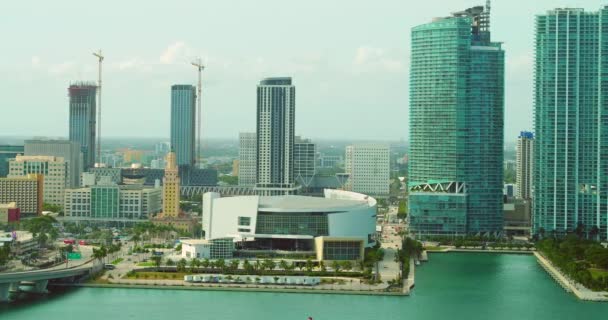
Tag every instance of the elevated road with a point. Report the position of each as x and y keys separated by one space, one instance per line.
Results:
x=11 y=280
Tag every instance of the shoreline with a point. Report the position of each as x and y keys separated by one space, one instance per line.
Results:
x=226 y=288
x=448 y=250
x=568 y=285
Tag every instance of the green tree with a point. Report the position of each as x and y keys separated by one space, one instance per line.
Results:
x=169 y=263
x=309 y=265
x=347 y=265
x=234 y=264
x=157 y=260
x=194 y=264
x=206 y=263
x=336 y=266
x=5 y=252
x=221 y=264
x=284 y=265
x=181 y=265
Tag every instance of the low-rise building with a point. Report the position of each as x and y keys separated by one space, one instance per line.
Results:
x=20 y=242
x=208 y=249
x=112 y=203
x=9 y=212
x=54 y=170
x=26 y=192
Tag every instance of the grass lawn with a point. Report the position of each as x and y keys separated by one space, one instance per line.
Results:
x=117 y=261
x=596 y=273
x=146 y=264
x=157 y=275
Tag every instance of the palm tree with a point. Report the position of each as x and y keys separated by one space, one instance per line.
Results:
x=181 y=265
x=309 y=265
x=284 y=265
x=336 y=266
x=221 y=264
x=347 y=265
x=234 y=264
x=194 y=263
x=322 y=266
x=157 y=260
x=206 y=263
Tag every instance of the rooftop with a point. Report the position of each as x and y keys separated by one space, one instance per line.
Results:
x=276 y=81
x=291 y=202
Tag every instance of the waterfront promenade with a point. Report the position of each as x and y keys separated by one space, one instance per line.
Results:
x=568 y=284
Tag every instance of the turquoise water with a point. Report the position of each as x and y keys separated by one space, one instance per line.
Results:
x=451 y=286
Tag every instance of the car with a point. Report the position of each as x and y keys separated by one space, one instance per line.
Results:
x=109 y=266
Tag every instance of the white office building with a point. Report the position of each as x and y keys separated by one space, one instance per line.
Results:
x=54 y=170
x=68 y=150
x=336 y=227
x=248 y=153
x=368 y=168
x=120 y=203
x=304 y=155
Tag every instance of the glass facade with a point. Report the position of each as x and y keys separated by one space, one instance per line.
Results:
x=183 y=123
x=570 y=175
x=105 y=202
x=456 y=127
x=83 y=106
x=313 y=224
x=222 y=248
x=341 y=250
x=7 y=153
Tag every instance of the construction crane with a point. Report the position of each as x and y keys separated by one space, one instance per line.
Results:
x=199 y=65
x=100 y=60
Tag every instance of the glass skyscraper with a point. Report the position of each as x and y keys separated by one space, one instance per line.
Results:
x=83 y=106
x=183 y=123
x=456 y=127
x=8 y=152
x=571 y=123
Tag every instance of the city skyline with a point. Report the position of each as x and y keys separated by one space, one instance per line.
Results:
x=334 y=81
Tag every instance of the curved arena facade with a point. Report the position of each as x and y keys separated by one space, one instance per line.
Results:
x=337 y=226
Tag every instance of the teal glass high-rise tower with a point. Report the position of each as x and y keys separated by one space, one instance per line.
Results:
x=456 y=127
x=183 y=123
x=571 y=123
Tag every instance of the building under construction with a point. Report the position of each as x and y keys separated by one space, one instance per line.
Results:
x=83 y=120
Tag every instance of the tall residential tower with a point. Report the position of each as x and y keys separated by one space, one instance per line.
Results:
x=571 y=123
x=276 y=108
x=456 y=127
x=183 y=123
x=525 y=145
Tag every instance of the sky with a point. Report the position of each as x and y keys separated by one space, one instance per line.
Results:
x=349 y=61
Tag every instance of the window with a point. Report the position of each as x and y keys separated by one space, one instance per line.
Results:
x=244 y=221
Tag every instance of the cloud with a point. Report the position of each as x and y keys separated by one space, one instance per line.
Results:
x=61 y=68
x=133 y=63
x=370 y=59
x=172 y=52
x=35 y=61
